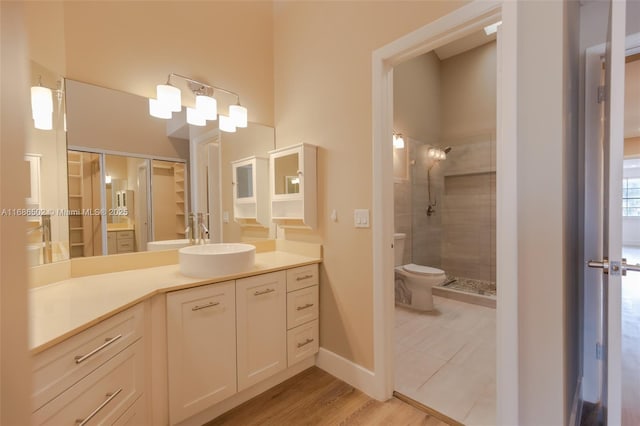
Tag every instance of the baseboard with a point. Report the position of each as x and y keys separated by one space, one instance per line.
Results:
x=576 y=406
x=347 y=371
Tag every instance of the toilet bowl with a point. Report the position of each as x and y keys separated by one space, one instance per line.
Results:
x=413 y=283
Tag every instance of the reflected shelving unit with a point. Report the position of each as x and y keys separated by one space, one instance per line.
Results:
x=179 y=184
x=76 y=222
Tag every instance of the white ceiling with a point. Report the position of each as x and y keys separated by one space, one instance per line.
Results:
x=632 y=100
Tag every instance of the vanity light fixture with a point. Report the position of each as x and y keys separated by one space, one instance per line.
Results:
x=398 y=140
x=42 y=104
x=169 y=100
x=107 y=179
x=227 y=124
x=436 y=154
x=490 y=29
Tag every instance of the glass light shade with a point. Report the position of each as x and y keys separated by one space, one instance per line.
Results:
x=226 y=124
x=107 y=179
x=238 y=114
x=207 y=107
x=169 y=96
x=398 y=141
x=431 y=153
x=43 y=122
x=442 y=155
x=158 y=110
x=194 y=117
x=41 y=102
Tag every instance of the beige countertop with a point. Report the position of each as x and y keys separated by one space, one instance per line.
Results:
x=59 y=310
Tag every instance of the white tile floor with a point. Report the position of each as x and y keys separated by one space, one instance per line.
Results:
x=445 y=359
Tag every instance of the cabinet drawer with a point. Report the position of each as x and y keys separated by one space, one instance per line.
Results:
x=59 y=367
x=301 y=277
x=302 y=342
x=135 y=415
x=302 y=306
x=102 y=396
x=125 y=245
x=124 y=235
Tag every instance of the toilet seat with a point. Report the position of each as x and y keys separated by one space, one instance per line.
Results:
x=422 y=270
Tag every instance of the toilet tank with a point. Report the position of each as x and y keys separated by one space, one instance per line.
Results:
x=398 y=247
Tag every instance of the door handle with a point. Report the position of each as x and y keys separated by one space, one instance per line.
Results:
x=616 y=267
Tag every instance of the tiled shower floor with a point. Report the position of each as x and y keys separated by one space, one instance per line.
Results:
x=471 y=285
x=445 y=359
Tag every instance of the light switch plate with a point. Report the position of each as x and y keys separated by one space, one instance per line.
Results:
x=361 y=218
x=225 y=217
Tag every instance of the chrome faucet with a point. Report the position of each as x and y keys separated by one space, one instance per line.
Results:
x=45 y=227
x=191 y=232
x=203 y=231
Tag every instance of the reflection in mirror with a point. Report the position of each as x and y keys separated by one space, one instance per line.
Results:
x=244 y=181
x=46 y=169
x=286 y=174
x=116 y=126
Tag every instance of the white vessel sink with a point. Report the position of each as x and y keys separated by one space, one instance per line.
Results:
x=208 y=260
x=167 y=244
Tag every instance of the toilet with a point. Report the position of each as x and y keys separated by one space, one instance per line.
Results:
x=413 y=283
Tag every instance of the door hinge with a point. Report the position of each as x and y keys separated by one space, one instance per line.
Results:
x=598 y=351
x=601 y=94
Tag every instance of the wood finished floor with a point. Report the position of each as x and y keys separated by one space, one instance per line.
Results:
x=314 y=397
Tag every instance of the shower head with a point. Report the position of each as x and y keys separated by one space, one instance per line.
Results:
x=447 y=150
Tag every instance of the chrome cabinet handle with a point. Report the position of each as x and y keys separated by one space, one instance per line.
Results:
x=107 y=342
x=308 y=305
x=306 y=342
x=306 y=277
x=267 y=291
x=110 y=396
x=208 y=305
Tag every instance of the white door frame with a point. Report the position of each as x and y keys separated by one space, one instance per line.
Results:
x=448 y=28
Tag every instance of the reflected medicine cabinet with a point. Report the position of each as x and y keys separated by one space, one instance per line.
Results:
x=293 y=186
x=250 y=191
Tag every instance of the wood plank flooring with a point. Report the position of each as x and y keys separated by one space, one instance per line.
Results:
x=314 y=397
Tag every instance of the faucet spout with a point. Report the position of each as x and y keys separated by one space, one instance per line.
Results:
x=203 y=231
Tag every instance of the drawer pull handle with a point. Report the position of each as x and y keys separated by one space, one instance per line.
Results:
x=305 y=343
x=308 y=305
x=110 y=396
x=107 y=342
x=267 y=291
x=208 y=305
x=305 y=277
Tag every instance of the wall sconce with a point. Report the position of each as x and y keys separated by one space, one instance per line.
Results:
x=107 y=179
x=42 y=105
x=169 y=100
x=438 y=154
x=398 y=140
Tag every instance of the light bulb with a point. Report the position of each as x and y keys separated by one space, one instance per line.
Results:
x=194 y=117
x=238 y=114
x=207 y=107
x=226 y=124
x=158 y=110
x=431 y=153
x=169 y=96
x=107 y=179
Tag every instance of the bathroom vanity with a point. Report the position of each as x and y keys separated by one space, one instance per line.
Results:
x=152 y=346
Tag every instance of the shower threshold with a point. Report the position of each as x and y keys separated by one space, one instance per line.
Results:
x=477 y=292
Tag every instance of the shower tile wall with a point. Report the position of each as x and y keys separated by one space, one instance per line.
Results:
x=469 y=210
x=402 y=214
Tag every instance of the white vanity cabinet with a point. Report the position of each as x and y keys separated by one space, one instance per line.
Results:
x=293 y=183
x=201 y=337
x=96 y=376
x=261 y=322
x=302 y=313
x=251 y=191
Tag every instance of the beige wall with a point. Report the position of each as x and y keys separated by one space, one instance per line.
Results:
x=323 y=97
x=417 y=97
x=632 y=147
x=469 y=93
x=15 y=362
x=133 y=46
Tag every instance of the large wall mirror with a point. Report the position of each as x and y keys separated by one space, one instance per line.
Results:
x=123 y=182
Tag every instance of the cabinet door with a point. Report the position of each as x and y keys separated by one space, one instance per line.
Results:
x=262 y=327
x=201 y=348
